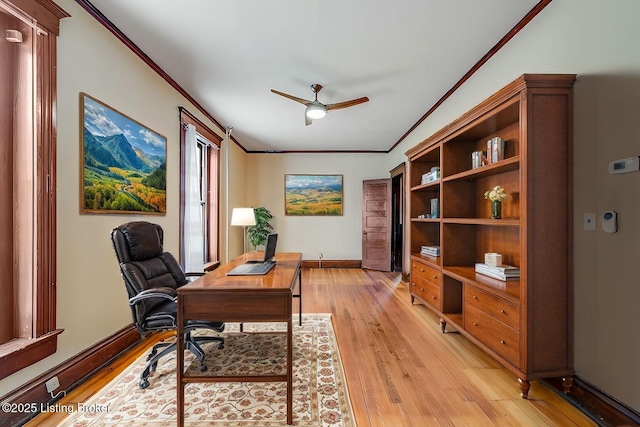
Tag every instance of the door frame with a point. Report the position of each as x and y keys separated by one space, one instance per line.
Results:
x=398 y=209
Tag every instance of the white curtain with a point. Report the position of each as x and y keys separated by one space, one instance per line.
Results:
x=193 y=237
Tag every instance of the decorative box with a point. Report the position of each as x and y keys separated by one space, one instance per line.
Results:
x=493 y=259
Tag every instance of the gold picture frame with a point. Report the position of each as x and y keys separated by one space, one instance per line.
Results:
x=306 y=195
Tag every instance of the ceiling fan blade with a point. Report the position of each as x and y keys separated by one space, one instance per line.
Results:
x=345 y=104
x=307 y=120
x=294 y=98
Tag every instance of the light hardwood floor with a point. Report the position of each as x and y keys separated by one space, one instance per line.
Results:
x=401 y=370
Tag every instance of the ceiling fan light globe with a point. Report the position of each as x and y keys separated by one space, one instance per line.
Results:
x=315 y=111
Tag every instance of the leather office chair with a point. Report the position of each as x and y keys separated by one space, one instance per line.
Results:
x=151 y=277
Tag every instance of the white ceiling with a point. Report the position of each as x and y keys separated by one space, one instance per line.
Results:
x=404 y=55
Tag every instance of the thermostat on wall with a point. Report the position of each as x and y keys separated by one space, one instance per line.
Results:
x=624 y=165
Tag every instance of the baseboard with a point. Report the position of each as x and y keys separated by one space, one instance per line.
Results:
x=314 y=263
x=70 y=373
x=603 y=409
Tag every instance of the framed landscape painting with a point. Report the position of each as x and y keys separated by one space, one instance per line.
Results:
x=123 y=166
x=313 y=195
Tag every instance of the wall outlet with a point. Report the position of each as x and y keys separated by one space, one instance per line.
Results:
x=52 y=384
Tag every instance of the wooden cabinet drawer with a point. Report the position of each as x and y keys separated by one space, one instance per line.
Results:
x=425 y=272
x=499 y=337
x=427 y=291
x=502 y=310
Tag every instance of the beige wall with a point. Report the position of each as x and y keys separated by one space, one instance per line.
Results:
x=594 y=39
x=91 y=295
x=337 y=237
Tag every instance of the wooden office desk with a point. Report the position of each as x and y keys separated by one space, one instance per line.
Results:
x=216 y=296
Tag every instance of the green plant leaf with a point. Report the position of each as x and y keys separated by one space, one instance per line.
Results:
x=258 y=233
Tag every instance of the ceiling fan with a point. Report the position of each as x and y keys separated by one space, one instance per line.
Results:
x=317 y=110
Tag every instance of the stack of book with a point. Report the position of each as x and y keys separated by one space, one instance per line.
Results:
x=431 y=176
x=430 y=250
x=478 y=159
x=501 y=272
x=495 y=149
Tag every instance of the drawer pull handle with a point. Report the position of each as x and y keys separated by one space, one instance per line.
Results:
x=435 y=277
x=502 y=342
x=475 y=324
x=475 y=297
x=433 y=297
x=502 y=310
x=422 y=270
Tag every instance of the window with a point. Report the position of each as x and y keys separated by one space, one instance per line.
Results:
x=199 y=190
x=27 y=182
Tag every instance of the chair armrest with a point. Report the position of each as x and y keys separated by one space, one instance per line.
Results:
x=162 y=292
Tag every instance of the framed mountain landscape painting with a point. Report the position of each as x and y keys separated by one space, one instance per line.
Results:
x=123 y=162
x=313 y=194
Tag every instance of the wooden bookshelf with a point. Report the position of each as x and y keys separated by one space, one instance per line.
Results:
x=524 y=324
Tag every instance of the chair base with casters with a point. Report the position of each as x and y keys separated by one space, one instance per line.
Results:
x=192 y=344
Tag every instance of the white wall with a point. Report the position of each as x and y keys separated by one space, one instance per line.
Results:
x=597 y=40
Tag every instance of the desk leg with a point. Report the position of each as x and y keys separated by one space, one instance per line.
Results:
x=289 y=372
x=300 y=296
x=180 y=366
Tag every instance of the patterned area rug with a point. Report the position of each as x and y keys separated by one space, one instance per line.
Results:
x=320 y=395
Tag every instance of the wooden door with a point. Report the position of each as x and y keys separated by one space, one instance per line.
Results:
x=376 y=224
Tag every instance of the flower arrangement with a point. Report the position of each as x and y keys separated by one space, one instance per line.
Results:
x=496 y=194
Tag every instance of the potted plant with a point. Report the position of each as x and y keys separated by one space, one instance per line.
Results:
x=258 y=233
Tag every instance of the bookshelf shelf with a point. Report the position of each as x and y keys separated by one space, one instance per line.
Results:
x=511 y=164
x=509 y=290
x=504 y=222
x=428 y=186
x=432 y=220
x=436 y=261
x=531 y=315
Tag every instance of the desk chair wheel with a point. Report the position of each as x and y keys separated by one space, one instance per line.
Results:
x=203 y=368
x=144 y=384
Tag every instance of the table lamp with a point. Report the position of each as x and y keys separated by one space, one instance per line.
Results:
x=244 y=217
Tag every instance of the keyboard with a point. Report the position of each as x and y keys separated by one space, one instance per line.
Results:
x=252 y=269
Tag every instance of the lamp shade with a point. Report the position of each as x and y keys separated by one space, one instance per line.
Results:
x=243 y=216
